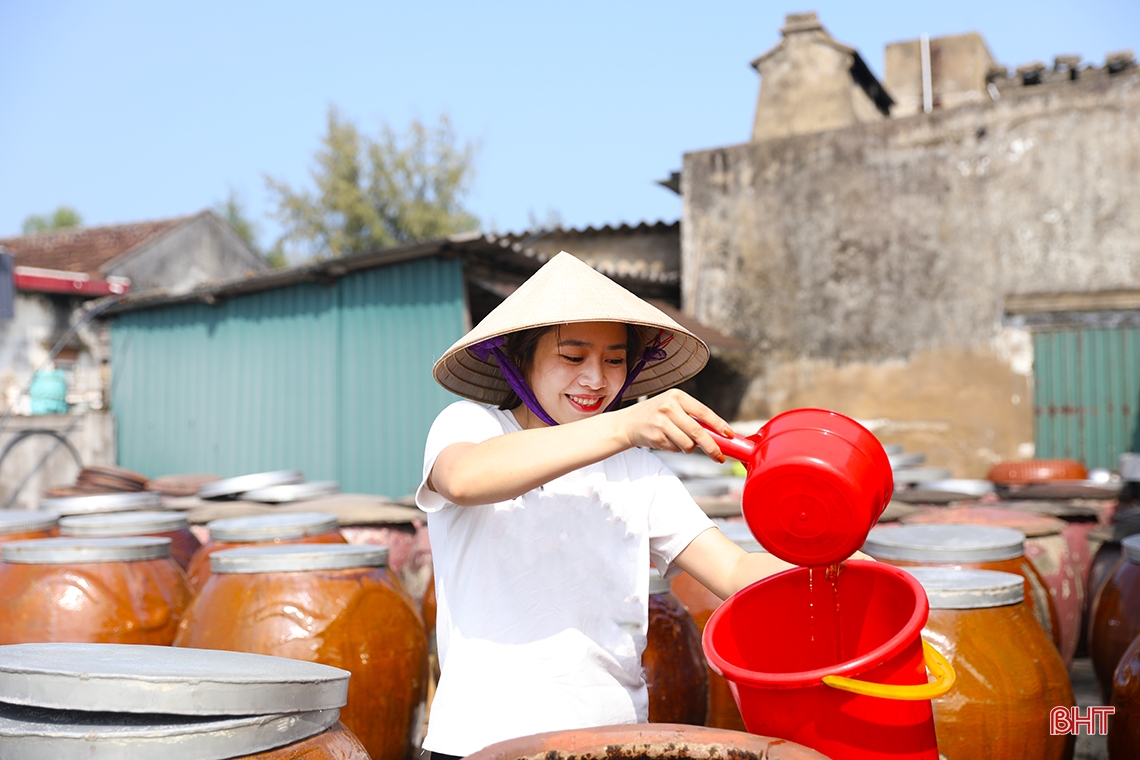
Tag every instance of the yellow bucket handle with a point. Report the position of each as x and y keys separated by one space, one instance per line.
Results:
x=938 y=666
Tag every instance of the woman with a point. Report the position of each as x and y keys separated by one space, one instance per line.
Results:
x=544 y=513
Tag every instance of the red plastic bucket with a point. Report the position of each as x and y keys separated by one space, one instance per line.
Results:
x=838 y=667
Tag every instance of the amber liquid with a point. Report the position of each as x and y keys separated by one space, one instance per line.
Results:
x=823 y=611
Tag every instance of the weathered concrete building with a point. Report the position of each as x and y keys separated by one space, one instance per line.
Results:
x=896 y=269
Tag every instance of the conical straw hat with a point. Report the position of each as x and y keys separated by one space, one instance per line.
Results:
x=566 y=290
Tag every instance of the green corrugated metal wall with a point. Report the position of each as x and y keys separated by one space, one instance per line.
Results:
x=332 y=380
x=1087 y=394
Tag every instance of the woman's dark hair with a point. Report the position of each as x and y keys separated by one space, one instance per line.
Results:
x=520 y=347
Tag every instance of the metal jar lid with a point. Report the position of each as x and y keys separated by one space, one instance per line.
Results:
x=293 y=492
x=657 y=584
x=230 y=487
x=948 y=588
x=123 y=524
x=30 y=733
x=741 y=535
x=1130 y=545
x=76 y=551
x=136 y=678
x=297 y=558
x=287 y=525
x=25 y=521
x=101 y=502
x=940 y=544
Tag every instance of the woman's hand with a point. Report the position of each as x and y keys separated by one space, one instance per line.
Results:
x=668 y=422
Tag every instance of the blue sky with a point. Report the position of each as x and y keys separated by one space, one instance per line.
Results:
x=133 y=110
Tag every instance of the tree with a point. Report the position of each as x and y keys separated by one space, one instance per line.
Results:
x=232 y=210
x=378 y=192
x=62 y=218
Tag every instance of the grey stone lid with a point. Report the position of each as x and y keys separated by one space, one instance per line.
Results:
x=949 y=588
x=101 y=502
x=942 y=543
x=1131 y=548
x=68 y=551
x=288 y=525
x=293 y=492
x=165 y=680
x=33 y=733
x=122 y=524
x=228 y=488
x=24 y=521
x=295 y=558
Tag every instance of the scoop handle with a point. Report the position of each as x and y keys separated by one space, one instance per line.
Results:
x=737 y=447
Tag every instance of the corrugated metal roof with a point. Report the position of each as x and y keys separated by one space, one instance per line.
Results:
x=504 y=252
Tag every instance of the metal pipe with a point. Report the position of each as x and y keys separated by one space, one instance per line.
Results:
x=927 y=86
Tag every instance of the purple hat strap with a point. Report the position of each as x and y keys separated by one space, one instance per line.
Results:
x=492 y=348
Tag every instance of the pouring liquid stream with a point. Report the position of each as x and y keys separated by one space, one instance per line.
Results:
x=824 y=603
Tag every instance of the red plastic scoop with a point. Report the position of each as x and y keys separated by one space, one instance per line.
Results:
x=817 y=483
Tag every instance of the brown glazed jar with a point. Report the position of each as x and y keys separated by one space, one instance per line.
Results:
x=337 y=605
x=172 y=525
x=673 y=661
x=1124 y=725
x=967 y=547
x=261 y=530
x=99 y=590
x=700 y=603
x=1009 y=673
x=1115 y=617
x=1045 y=546
x=20 y=525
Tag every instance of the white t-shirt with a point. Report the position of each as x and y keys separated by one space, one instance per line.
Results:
x=542 y=601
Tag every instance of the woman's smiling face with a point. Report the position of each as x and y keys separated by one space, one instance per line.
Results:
x=578 y=369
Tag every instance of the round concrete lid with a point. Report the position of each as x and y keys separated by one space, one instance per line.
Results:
x=941 y=544
x=25 y=521
x=122 y=524
x=132 y=678
x=288 y=525
x=952 y=589
x=296 y=558
x=67 y=551
x=31 y=733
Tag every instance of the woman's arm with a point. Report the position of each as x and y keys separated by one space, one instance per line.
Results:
x=724 y=568
x=508 y=466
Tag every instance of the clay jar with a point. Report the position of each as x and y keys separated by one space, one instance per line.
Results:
x=700 y=603
x=967 y=547
x=1045 y=547
x=1009 y=673
x=1124 y=725
x=105 y=590
x=1115 y=617
x=20 y=525
x=123 y=702
x=172 y=525
x=673 y=661
x=261 y=530
x=337 y=605
x=646 y=742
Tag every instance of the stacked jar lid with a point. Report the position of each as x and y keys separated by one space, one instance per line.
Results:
x=122 y=702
